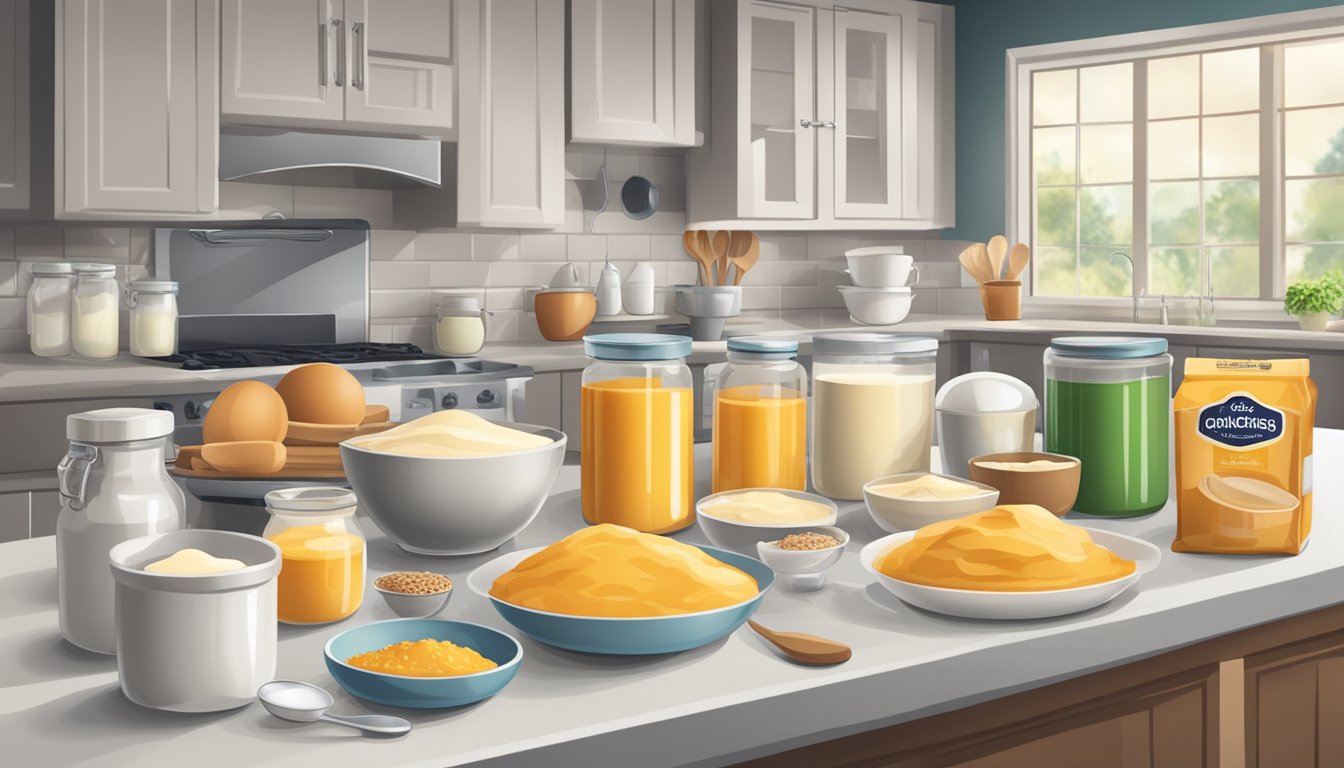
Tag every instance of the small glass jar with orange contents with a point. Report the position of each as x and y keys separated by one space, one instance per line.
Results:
x=321 y=553
x=760 y=417
x=636 y=406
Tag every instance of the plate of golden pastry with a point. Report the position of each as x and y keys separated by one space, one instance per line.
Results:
x=1014 y=561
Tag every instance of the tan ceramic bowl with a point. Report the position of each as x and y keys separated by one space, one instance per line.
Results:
x=1054 y=489
x=564 y=314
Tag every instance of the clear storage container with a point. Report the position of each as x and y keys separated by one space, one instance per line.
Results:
x=760 y=417
x=322 y=553
x=49 y=300
x=153 y=305
x=460 y=329
x=1108 y=403
x=96 y=317
x=636 y=405
x=872 y=408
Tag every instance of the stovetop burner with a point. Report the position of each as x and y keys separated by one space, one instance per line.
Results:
x=259 y=356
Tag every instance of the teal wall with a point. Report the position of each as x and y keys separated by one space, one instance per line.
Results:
x=987 y=28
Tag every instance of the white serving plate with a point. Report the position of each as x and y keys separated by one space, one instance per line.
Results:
x=976 y=604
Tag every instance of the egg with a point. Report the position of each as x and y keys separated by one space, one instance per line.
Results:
x=322 y=393
x=248 y=410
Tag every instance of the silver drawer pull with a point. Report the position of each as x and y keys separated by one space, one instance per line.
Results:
x=816 y=123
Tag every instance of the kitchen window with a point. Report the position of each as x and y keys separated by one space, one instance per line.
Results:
x=1215 y=160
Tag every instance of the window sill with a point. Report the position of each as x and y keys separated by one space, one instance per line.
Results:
x=1262 y=313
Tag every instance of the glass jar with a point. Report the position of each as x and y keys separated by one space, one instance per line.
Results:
x=460 y=329
x=872 y=408
x=49 y=308
x=95 y=318
x=636 y=407
x=153 y=305
x=760 y=417
x=322 y=553
x=1108 y=403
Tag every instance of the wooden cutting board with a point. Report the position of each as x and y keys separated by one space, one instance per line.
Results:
x=300 y=461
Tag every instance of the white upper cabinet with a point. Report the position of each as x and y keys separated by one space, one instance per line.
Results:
x=15 y=106
x=632 y=72
x=372 y=65
x=137 y=108
x=869 y=153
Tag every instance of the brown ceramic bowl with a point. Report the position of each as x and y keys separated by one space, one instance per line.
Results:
x=1054 y=489
x=564 y=314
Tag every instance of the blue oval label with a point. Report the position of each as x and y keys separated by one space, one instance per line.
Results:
x=1241 y=421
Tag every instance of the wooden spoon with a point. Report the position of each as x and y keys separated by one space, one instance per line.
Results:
x=690 y=240
x=976 y=263
x=998 y=250
x=1017 y=260
x=746 y=249
x=808 y=649
x=722 y=241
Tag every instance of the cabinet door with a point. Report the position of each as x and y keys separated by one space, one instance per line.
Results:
x=280 y=60
x=776 y=158
x=15 y=108
x=868 y=115
x=511 y=132
x=137 y=103
x=401 y=65
x=928 y=165
x=632 y=72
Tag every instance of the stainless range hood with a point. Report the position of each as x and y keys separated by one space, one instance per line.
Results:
x=245 y=152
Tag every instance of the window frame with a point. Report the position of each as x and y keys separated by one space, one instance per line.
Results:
x=1267 y=32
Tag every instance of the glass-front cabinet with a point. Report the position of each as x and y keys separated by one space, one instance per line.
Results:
x=868 y=107
x=777 y=172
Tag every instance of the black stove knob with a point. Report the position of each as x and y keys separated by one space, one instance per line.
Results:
x=191 y=410
x=485 y=398
x=450 y=401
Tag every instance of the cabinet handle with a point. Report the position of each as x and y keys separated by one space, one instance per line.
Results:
x=339 y=81
x=357 y=38
x=816 y=123
x=323 y=53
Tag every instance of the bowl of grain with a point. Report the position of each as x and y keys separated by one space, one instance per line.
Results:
x=802 y=559
x=414 y=594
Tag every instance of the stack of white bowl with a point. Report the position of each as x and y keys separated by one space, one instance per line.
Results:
x=881 y=293
x=708 y=307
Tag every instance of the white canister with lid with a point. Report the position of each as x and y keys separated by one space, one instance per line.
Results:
x=96 y=318
x=460 y=329
x=637 y=293
x=609 y=291
x=49 y=299
x=195 y=642
x=114 y=487
x=153 y=305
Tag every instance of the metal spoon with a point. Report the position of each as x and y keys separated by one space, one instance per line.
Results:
x=304 y=703
x=808 y=649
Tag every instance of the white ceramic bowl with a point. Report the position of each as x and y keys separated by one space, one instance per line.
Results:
x=803 y=569
x=892 y=514
x=414 y=606
x=876 y=306
x=743 y=537
x=882 y=266
x=709 y=301
x=978 y=604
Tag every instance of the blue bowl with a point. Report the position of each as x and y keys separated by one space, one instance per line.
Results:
x=423 y=692
x=625 y=636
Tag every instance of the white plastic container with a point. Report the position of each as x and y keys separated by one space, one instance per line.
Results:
x=49 y=301
x=460 y=328
x=609 y=291
x=96 y=318
x=198 y=642
x=637 y=293
x=114 y=488
x=153 y=305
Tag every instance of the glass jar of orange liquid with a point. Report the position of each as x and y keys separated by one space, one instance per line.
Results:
x=760 y=417
x=322 y=564
x=636 y=438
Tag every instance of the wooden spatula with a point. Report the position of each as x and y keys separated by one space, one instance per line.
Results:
x=975 y=262
x=691 y=241
x=722 y=241
x=1017 y=260
x=998 y=251
x=746 y=249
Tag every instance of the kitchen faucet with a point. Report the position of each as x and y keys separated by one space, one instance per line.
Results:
x=1133 y=281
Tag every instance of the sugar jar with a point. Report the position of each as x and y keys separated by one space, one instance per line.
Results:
x=760 y=417
x=153 y=305
x=49 y=299
x=95 y=320
x=321 y=551
x=460 y=329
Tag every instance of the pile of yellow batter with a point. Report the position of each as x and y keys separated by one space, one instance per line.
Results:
x=614 y=571
x=1011 y=548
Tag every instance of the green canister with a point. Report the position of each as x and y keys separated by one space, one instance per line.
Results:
x=1108 y=403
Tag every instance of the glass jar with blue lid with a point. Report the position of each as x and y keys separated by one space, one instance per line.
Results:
x=1108 y=403
x=760 y=416
x=636 y=406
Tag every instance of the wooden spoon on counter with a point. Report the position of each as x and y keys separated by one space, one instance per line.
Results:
x=745 y=250
x=807 y=649
x=722 y=244
x=1017 y=260
x=691 y=240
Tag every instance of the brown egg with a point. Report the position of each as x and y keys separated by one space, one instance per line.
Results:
x=248 y=410
x=322 y=393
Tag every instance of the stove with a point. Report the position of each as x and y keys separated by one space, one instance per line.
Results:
x=296 y=354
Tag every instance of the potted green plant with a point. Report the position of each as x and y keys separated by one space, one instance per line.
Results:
x=1314 y=301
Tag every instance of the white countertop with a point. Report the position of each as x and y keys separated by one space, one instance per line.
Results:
x=730 y=701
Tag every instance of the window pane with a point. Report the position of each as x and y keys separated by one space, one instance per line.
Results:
x=1055 y=216
x=1231 y=211
x=1174 y=272
x=1232 y=81
x=1054 y=155
x=1313 y=141
x=1106 y=216
x=1173 y=87
x=1311 y=74
x=1173 y=213
x=1100 y=277
x=1106 y=153
x=1235 y=271
x=1173 y=149
x=1307 y=261
x=1107 y=93
x=1313 y=209
x=1232 y=146
x=1054 y=97
x=1054 y=271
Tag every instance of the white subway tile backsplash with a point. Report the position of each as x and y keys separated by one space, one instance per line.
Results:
x=382 y=333
x=685 y=272
x=6 y=244
x=398 y=304
x=810 y=297
x=503 y=298
x=442 y=246
x=925 y=301
x=960 y=301
x=458 y=274
x=667 y=248
x=628 y=247
x=503 y=325
x=110 y=245
x=142 y=246
x=39 y=243
x=775 y=247
x=391 y=245
x=14 y=341
x=399 y=274
x=782 y=273
x=547 y=247
x=760 y=297
x=587 y=247
x=9 y=279
x=526 y=273
x=13 y=312
x=495 y=247
x=371 y=205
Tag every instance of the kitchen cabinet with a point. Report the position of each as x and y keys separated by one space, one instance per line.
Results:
x=1327 y=372
x=571 y=404
x=827 y=118
x=137 y=108
x=632 y=72
x=511 y=137
x=1294 y=703
x=15 y=106
x=544 y=401
x=383 y=66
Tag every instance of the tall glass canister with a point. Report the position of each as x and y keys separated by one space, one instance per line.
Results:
x=760 y=417
x=49 y=301
x=636 y=403
x=96 y=316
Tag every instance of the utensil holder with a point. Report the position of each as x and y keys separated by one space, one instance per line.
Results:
x=1002 y=299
